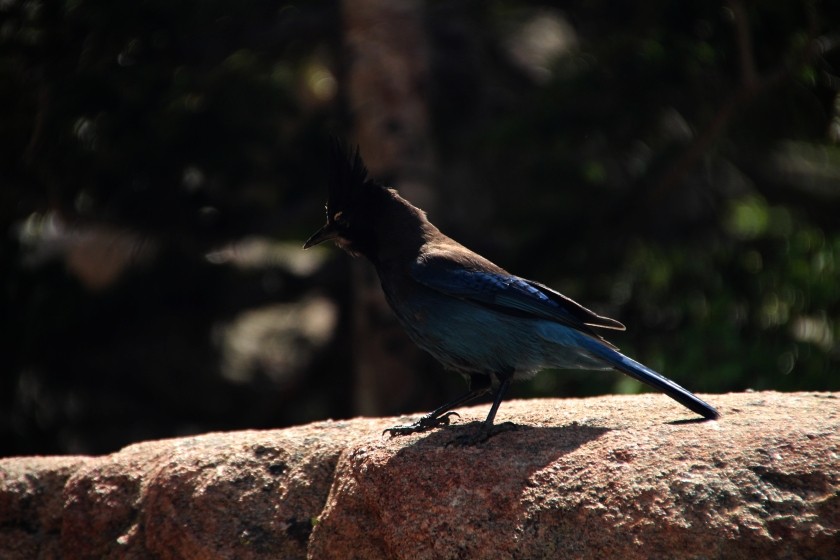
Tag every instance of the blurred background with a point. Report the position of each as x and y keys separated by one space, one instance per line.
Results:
x=672 y=164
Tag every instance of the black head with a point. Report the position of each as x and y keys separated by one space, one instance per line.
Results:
x=353 y=205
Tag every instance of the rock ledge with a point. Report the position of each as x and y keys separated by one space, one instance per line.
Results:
x=630 y=477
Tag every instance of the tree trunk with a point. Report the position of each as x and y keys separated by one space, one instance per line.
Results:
x=387 y=76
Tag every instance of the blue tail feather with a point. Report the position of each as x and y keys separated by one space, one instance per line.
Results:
x=647 y=376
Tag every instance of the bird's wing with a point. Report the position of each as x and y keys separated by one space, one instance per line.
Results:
x=506 y=293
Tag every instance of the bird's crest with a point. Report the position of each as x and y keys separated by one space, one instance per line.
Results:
x=348 y=179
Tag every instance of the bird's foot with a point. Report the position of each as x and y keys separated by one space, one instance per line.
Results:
x=482 y=434
x=425 y=423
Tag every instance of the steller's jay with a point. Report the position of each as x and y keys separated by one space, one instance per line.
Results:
x=472 y=315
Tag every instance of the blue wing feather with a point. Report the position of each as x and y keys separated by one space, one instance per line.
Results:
x=507 y=293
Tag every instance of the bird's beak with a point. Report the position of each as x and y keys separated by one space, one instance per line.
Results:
x=324 y=234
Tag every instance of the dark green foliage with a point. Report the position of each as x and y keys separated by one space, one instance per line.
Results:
x=651 y=172
x=723 y=268
x=149 y=114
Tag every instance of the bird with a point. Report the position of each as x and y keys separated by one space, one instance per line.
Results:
x=473 y=316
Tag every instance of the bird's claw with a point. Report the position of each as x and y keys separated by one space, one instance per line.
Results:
x=424 y=424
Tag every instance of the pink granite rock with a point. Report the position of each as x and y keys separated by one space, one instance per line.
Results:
x=32 y=505
x=630 y=477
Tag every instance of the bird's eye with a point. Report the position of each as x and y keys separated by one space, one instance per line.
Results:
x=339 y=218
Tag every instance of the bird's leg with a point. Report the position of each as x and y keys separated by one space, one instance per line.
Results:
x=487 y=428
x=479 y=385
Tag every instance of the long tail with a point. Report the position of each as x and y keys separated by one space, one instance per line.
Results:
x=646 y=375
